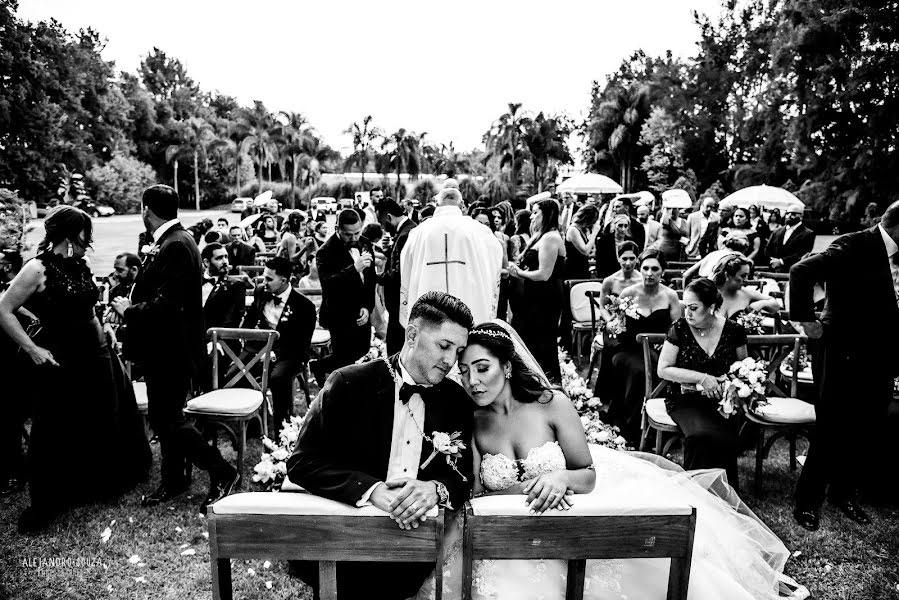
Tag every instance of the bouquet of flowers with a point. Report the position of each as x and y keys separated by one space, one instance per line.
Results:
x=620 y=308
x=803 y=363
x=750 y=321
x=377 y=349
x=744 y=386
x=272 y=467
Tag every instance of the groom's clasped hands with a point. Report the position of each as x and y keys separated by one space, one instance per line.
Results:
x=406 y=500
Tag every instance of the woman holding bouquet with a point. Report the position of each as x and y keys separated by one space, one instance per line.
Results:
x=620 y=383
x=729 y=277
x=698 y=351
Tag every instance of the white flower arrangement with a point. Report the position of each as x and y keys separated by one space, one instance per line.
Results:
x=377 y=349
x=620 y=308
x=272 y=466
x=744 y=387
x=587 y=407
x=804 y=363
x=751 y=322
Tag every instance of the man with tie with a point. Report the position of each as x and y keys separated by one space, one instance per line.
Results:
x=240 y=253
x=223 y=296
x=276 y=305
x=568 y=209
x=347 y=273
x=854 y=361
x=702 y=227
x=790 y=243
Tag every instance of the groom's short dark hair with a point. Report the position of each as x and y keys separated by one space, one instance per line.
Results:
x=162 y=200
x=439 y=307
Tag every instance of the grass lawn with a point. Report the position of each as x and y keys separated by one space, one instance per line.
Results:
x=840 y=561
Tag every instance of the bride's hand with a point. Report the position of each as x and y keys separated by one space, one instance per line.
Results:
x=546 y=491
x=42 y=355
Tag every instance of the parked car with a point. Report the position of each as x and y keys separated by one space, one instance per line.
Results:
x=240 y=204
x=95 y=210
x=823 y=225
x=345 y=203
x=325 y=204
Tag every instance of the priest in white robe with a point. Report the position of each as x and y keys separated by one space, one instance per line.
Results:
x=452 y=253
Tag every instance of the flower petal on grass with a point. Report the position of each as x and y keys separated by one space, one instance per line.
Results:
x=140 y=579
x=268 y=585
x=267 y=564
x=183 y=546
x=206 y=534
x=178 y=529
x=189 y=552
x=134 y=559
x=104 y=537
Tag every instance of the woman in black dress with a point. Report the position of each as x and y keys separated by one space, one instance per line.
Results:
x=580 y=242
x=699 y=350
x=540 y=306
x=621 y=384
x=87 y=439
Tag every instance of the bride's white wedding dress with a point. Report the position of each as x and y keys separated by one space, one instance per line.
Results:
x=735 y=556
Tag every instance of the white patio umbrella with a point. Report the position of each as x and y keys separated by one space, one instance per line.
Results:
x=638 y=198
x=764 y=196
x=263 y=198
x=244 y=223
x=538 y=198
x=590 y=183
x=676 y=199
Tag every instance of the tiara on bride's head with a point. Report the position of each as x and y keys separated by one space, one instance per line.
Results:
x=491 y=333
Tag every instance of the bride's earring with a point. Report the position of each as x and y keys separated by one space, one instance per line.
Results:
x=508 y=374
x=69 y=250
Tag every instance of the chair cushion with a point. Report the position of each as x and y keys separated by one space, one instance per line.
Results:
x=140 y=394
x=583 y=326
x=320 y=336
x=787 y=410
x=655 y=410
x=805 y=375
x=580 y=304
x=293 y=503
x=584 y=505
x=231 y=401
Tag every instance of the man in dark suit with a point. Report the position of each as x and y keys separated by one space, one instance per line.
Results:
x=240 y=253
x=166 y=336
x=223 y=297
x=361 y=443
x=347 y=273
x=789 y=244
x=394 y=220
x=276 y=305
x=854 y=360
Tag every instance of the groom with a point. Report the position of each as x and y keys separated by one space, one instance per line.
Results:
x=364 y=439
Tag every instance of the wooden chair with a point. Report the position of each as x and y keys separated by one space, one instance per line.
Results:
x=583 y=300
x=784 y=414
x=655 y=416
x=681 y=264
x=232 y=408
x=587 y=531
x=300 y=526
x=251 y=270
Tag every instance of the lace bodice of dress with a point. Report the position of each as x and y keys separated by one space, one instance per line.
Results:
x=499 y=472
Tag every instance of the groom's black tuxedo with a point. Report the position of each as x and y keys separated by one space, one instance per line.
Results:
x=854 y=362
x=344 y=448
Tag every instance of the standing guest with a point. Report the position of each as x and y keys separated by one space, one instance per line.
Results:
x=347 y=270
x=452 y=253
x=83 y=404
x=741 y=224
x=293 y=245
x=12 y=459
x=650 y=225
x=426 y=213
x=126 y=267
x=164 y=317
x=621 y=383
x=276 y=305
x=789 y=244
x=854 y=373
x=702 y=228
x=505 y=208
x=397 y=224
x=725 y=217
x=697 y=354
x=606 y=246
x=569 y=209
x=519 y=240
x=674 y=229
x=580 y=242
x=240 y=253
x=200 y=229
x=411 y=208
x=541 y=267
x=376 y=195
x=363 y=442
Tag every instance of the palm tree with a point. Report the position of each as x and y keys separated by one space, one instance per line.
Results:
x=293 y=134
x=364 y=137
x=196 y=135
x=504 y=141
x=315 y=159
x=262 y=139
x=446 y=160
x=547 y=141
x=614 y=129
x=402 y=153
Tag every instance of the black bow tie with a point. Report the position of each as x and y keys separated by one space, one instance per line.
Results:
x=212 y=280
x=276 y=300
x=407 y=390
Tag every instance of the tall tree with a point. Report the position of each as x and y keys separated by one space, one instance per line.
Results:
x=504 y=142
x=546 y=139
x=196 y=136
x=293 y=133
x=364 y=137
x=402 y=153
x=261 y=137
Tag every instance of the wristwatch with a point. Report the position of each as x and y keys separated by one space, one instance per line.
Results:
x=442 y=495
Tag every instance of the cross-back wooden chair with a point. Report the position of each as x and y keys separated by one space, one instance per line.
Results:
x=582 y=533
x=785 y=415
x=655 y=416
x=584 y=306
x=231 y=408
x=681 y=264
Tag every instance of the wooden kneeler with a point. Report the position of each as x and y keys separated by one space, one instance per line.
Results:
x=300 y=526
x=587 y=531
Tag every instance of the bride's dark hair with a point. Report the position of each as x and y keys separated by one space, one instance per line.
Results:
x=527 y=386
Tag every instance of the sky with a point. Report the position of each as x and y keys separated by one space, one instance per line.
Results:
x=448 y=69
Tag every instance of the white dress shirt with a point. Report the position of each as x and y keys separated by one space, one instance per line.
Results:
x=406 y=440
x=789 y=231
x=271 y=312
x=891 y=248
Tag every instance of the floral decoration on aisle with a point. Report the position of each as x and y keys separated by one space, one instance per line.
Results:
x=271 y=470
x=377 y=349
x=587 y=407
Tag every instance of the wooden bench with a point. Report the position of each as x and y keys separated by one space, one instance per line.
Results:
x=589 y=530
x=300 y=526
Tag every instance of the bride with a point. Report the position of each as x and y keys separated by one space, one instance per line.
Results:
x=529 y=443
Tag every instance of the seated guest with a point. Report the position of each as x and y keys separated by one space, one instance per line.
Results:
x=268 y=230
x=620 y=383
x=735 y=244
x=199 y=229
x=210 y=237
x=223 y=296
x=741 y=224
x=697 y=353
x=310 y=281
x=222 y=226
x=277 y=306
x=240 y=253
x=126 y=267
x=729 y=277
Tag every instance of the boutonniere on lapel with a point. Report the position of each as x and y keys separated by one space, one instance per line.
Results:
x=285 y=314
x=149 y=251
x=448 y=445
